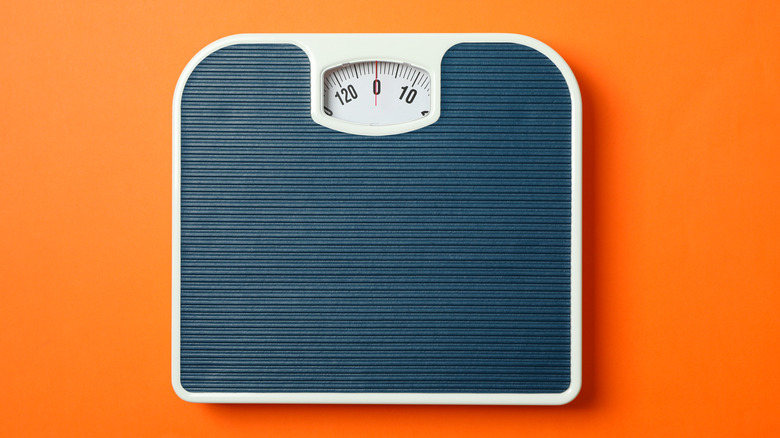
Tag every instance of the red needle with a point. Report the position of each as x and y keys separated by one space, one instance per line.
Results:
x=376 y=77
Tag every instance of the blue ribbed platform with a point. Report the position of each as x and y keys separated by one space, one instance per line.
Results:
x=432 y=261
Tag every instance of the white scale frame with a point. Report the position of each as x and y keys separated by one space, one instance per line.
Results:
x=425 y=51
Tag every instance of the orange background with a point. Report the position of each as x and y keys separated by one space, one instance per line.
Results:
x=681 y=216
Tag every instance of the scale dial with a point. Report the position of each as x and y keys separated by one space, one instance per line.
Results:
x=376 y=93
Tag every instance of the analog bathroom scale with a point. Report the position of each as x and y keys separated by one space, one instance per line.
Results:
x=377 y=218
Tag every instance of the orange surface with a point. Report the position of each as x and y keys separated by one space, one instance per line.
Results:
x=681 y=216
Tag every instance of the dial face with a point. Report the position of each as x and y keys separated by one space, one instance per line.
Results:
x=377 y=92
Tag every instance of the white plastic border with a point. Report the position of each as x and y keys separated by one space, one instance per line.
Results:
x=425 y=51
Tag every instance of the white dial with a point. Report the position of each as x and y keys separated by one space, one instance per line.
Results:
x=377 y=92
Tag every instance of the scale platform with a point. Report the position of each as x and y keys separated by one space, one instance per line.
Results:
x=377 y=219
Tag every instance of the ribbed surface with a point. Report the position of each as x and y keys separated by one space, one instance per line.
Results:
x=432 y=261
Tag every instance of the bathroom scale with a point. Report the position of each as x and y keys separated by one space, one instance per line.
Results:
x=377 y=218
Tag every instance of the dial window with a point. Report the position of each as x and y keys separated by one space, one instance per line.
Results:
x=376 y=93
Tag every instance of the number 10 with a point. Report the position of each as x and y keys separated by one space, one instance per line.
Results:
x=409 y=97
